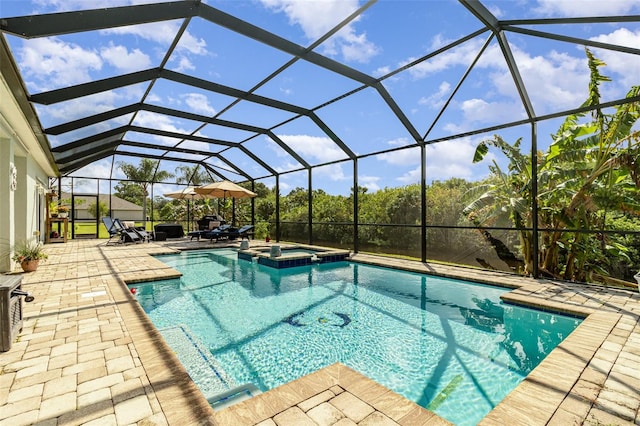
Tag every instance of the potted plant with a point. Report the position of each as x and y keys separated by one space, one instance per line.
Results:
x=63 y=211
x=28 y=254
x=53 y=209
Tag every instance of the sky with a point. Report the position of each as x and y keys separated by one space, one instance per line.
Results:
x=389 y=35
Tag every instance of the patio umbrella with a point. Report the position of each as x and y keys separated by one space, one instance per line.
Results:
x=224 y=189
x=186 y=194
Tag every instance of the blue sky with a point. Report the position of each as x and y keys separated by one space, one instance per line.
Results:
x=389 y=35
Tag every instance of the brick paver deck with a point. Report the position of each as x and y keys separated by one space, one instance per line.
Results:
x=88 y=355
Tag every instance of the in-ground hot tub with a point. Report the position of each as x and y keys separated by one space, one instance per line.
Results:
x=289 y=256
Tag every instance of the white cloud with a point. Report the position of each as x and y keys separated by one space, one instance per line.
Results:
x=183 y=64
x=355 y=47
x=127 y=61
x=163 y=33
x=379 y=72
x=188 y=42
x=286 y=165
x=557 y=8
x=444 y=160
x=369 y=182
x=412 y=176
x=403 y=157
x=437 y=99
x=159 y=32
x=481 y=111
x=332 y=171
x=321 y=149
x=453 y=159
x=159 y=121
x=555 y=81
x=460 y=55
x=198 y=103
x=154 y=98
x=99 y=169
x=624 y=64
x=51 y=60
x=316 y=18
x=200 y=146
x=84 y=106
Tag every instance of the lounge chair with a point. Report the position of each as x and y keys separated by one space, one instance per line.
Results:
x=217 y=234
x=113 y=232
x=213 y=225
x=116 y=229
x=244 y=232
x=130 y=226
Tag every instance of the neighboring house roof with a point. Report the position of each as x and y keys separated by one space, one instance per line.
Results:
x=117 y=203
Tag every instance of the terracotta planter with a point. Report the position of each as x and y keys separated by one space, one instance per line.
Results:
x=29 y=265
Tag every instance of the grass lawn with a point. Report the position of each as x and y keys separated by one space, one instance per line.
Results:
x=84 y=228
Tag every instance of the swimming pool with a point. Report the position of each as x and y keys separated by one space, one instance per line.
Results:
x=451 y=346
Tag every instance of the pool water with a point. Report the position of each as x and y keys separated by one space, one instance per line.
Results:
x=451 y=346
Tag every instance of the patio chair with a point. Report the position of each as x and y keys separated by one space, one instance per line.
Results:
x=244 y=232
x=115 y=229
x=111 y=229
x=217 y=234
x=130 y=226
x=213 y=225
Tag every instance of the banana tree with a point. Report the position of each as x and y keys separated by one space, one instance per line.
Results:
x=506 y=197
x=591 y=169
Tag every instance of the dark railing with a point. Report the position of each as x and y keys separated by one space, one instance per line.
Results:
x=491 y=248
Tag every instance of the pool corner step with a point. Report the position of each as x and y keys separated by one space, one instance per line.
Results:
x=233 y=396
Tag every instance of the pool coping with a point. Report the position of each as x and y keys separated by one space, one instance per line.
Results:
x=322 y=386
x=264 y=257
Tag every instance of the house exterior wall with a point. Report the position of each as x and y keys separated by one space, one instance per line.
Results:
x=22 y=206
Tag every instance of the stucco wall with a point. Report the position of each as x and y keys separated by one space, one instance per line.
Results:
x=22 y=208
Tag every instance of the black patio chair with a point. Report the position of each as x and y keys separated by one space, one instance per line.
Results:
x=115 y=229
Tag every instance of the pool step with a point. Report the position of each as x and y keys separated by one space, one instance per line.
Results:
x=233 y=396
x=201 y=365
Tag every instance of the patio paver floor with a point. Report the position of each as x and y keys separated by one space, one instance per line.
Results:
x=88 y=355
